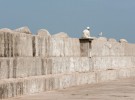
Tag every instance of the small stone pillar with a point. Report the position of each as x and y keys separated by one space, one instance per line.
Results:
x=85 y=47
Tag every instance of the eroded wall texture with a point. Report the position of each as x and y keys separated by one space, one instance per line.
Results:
x=33 y=63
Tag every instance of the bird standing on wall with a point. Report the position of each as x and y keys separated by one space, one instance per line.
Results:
x=86 y=33
x=100 y=34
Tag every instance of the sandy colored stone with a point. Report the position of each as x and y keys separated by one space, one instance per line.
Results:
x=112 y=40
x=25 y=67
x=6 y=44
x=40 y=46
x=44 y=33
x=33 y=64
x=6 y=68
x=119 y=89
x=107 y=48
x=76 y=47
x=107 y=75
x=28 y=85
x=22 y=45
x=6 y=30
x=56 y=47
x=60 y=35
x=24 y=29
x=96 y=48
x=123 y=40
x=68 y=49
x=128 y=49
x=102 y=39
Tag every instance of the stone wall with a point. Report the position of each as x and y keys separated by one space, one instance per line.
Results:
x=33 y=63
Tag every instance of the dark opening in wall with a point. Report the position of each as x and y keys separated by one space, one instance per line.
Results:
x=33 y=46
x=85 y=46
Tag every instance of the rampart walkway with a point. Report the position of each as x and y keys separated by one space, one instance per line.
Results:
x=114 y=90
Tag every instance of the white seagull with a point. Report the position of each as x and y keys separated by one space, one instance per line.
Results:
x=100 y=34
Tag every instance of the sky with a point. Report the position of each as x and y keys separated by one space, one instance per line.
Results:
x=115 y=18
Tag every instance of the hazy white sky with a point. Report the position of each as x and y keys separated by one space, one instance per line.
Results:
x=115 y=18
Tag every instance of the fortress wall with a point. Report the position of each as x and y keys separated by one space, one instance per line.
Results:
x=46 y=47
x=106 y=48
x=25 y=67
x=108 y=55
x=29 y=85
x=112 y=48
x=40 y=46
x=21 y=67
x=22 y=45
x=55 y=47
x=69 y=65
x=30 y=64
x=15 y=44
x=134 y=49
x=6 y=68
x=107 y=63
x=129 y=49
x=6 y=44
x=23 y=86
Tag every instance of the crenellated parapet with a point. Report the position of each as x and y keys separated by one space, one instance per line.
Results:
x=44 y=62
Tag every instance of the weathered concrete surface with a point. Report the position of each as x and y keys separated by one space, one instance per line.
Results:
x=112 y=48
x=108 y=63
x=60 y=35
x=65 y=65
x=23 y=86
x=59 y=47
x=123 y=40
x=31 y=64
x=6 y=44
x=24 y=29
x=25 y=67
x=107 y=48
x=40 y=46
x=14 y=44
x=43 y=33
x=6 y=68
x=55 y=47
x=20 y=67
x=129 y=49
x=113 y=90
x=72 y=47
x=112 y=40
x=22 y=45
